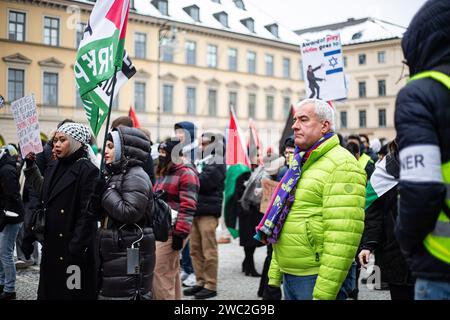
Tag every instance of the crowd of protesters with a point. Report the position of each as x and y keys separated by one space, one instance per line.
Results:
x=335 y=204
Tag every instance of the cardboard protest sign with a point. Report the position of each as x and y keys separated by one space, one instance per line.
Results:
x=323 y=68
x=268 y=187
x=26 y=118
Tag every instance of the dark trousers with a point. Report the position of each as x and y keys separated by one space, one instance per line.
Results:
x=313 y=89
x=401 y=292
x=265 y=291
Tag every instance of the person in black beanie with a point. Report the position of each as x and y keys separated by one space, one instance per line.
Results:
x=181 y=186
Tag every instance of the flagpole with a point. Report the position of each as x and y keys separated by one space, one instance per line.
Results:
x=102 y=163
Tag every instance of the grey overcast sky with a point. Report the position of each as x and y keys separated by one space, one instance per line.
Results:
x=301 y=14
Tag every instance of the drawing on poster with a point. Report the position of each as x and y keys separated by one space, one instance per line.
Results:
x=323 y=68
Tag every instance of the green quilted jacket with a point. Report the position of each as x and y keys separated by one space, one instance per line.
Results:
x=324 y=226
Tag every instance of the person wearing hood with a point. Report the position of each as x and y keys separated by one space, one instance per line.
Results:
x=126 y=206
x=181 y=186
x=185 y=131
x=212 y=171
x=422 y=121
x=69 y=238
x=379 y=237
x=11 y=218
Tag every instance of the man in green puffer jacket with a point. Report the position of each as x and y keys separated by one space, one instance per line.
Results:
x=321 y=234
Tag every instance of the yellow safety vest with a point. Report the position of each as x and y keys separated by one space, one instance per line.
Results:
x=438 y=241
x=363 y=160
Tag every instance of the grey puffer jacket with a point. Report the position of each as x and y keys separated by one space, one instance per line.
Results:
x=127 y=204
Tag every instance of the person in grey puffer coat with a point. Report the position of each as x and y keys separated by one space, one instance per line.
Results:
x=127 y=206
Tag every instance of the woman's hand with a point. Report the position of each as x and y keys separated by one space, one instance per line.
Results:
x=30 y=158
x=364 y=256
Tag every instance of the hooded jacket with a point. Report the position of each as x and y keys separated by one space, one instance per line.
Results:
x=10 y=199
x=422 y=121
x=192 y=144
x=126 y=201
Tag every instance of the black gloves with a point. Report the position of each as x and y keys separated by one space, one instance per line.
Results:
x=177 y=242
x=30 y=159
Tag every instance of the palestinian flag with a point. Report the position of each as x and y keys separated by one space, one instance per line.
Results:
x=101 y=51
x=229 y=206
x=236 y=152
x=254 y=143
x=380 y=182
x=287 y=131
x=133 y=117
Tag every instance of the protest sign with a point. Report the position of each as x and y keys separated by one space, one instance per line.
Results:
x=268 y=187
x=26 y=118
x=323 y=68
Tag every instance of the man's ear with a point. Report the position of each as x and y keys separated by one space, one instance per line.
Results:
x=326 y=126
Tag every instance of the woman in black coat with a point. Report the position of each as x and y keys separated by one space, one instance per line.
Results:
x=379 y=237
x=127 y=206
x=68 y=268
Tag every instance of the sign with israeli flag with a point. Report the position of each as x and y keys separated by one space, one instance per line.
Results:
x=323 y=68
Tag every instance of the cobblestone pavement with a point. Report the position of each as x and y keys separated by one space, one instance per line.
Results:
x=232 y=285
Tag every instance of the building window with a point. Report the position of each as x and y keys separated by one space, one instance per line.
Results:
x=140 y=45
x=16 y=84
x=232 y=99
x=343 y=116
x=191 y=52
x=191 y=100
x=162 y=6
x=381 y=57
x=51 y=31
x=362 y=89
x=287 y=107
x=211 y=58
x=362 y=59
x=80 y=32
x=78 y=101
x=216 y=1
x=139 y=96
x=286 y=68
x=382 y=118
x=249 y=23
x=222 y=17
x=300 y=70
x=232 y=59
x=381 y=88
x=252 y=105
x=50 y=89
x=212 y=102
x=345 y=61
x=194 y=12
x=16 y=26
x=269 y=107
x=168 y=98
x=251 y=61
x=167 y=53
x=269 y=65
x=273 y=29
x=239 y=4
x=362 y=118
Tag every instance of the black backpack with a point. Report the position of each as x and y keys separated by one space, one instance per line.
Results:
x=161 y=220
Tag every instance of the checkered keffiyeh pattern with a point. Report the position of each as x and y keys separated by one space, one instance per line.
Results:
x=77 y=131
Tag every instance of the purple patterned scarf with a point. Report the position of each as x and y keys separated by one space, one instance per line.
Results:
x=268 y=230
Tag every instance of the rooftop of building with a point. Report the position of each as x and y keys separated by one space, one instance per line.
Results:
x=355 y=31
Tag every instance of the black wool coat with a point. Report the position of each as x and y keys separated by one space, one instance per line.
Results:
x=69 y=237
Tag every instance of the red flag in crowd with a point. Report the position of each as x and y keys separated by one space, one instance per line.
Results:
x=236 y=151
x=133 y=117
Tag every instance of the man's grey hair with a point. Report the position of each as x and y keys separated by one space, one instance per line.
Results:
x=322 y=110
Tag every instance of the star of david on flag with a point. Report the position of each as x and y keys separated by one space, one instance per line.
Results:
x=333 y=62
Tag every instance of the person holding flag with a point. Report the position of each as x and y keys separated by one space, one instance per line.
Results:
x=379 y=237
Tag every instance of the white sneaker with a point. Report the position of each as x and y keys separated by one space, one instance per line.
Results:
x=183 y=275
x=190 y=281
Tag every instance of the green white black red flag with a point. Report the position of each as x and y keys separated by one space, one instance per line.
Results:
x=101 y=51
